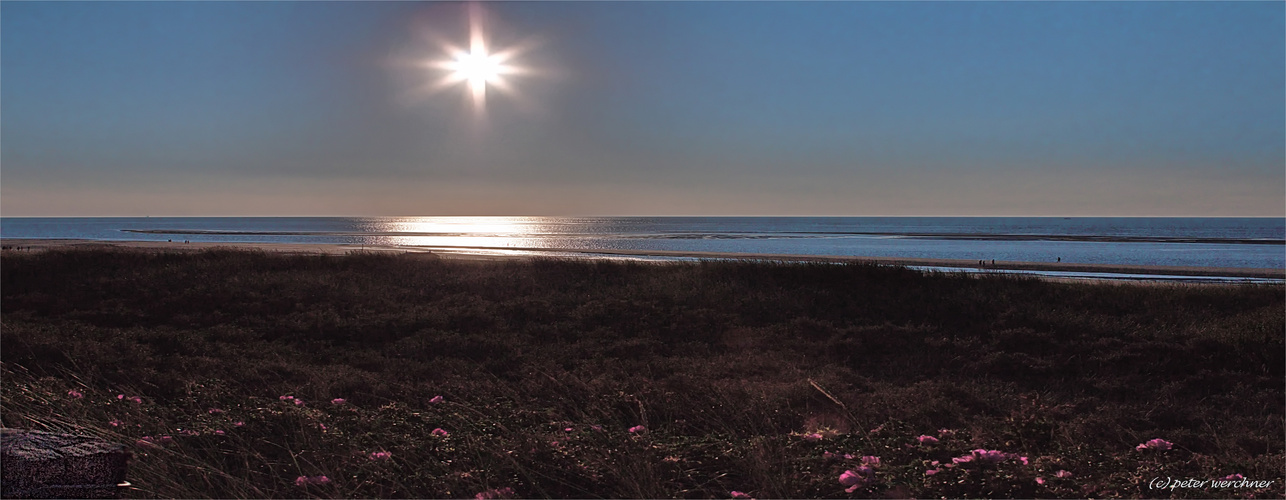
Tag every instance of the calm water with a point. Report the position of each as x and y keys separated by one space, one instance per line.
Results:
x=1205 y=242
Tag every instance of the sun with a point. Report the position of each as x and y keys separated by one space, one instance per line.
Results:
x=480 y=64
x=478 y=67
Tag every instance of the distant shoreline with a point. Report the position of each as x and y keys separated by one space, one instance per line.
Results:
x=480 y=253
x=933 y=236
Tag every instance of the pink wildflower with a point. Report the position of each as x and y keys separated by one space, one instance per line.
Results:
x=440 y=432
x=826 y=455
x=219 y=432
x=215 y=410
x=569 y=429
x=145 y=441
x=738 y=494
x=323 y=426
x=306 y=480
x=1155 y=444
x=855 y=480
x=338 y=401
x=871 y=460
x=849 y=478
x=1062 y=474
x=238 y=423
x=436 y=400
x=299 y=402
x=120 y=396
x=136 y=399
x=816 y=436
x=287 y=398
x=166 y=440
x=991 y=456
x=381 y=455
x=75 y=394
x=848 y=456
x=496 y=493
x=988 y=456
x=931 y=472
x=1040 y=480
x=115 y=423
x=927 y=439
x=638 y=429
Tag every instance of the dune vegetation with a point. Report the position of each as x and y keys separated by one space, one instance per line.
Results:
x=245 y=374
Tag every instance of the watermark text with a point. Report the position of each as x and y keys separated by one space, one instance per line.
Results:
x=1168 y=483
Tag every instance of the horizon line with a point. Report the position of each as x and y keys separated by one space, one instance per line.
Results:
x=649 y=216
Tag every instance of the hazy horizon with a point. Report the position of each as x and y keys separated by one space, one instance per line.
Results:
x=404 y=216
x=644 y=109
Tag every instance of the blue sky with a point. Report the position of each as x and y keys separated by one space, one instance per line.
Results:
x=646 y=108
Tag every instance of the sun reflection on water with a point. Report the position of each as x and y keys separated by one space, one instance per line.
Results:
x=466 y=232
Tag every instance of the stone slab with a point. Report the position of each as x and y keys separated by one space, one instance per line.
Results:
x=39 y=464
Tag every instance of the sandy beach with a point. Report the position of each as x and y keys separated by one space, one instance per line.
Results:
x=497 y=253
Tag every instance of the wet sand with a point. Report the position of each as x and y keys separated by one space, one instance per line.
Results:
x=488 y=253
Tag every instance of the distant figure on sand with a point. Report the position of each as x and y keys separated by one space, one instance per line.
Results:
x=1060 y=259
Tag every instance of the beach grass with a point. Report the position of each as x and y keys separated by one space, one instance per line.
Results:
x=252 y=374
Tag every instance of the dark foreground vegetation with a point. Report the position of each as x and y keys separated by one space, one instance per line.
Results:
x=596 y=379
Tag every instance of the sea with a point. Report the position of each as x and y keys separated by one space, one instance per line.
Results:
x=1169 y=241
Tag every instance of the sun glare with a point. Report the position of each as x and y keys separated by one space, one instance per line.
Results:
x=478 y=67
x=463 y=232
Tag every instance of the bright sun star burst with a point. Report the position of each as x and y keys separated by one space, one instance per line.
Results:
x=478 y=67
